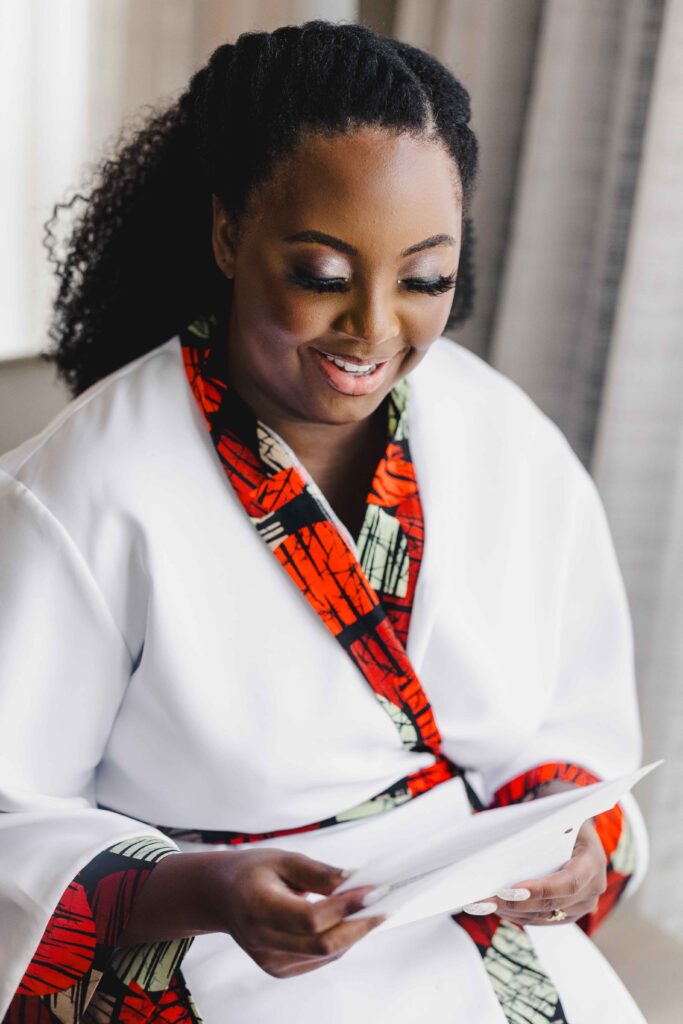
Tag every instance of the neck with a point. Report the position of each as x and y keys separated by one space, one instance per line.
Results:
x=318 y=445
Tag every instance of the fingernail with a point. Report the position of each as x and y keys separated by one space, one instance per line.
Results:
x=347 y=872
x=513 y=895
x=375 y=895
x=480 y=908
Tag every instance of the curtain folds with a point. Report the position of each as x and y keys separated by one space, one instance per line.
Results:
x=579 y=221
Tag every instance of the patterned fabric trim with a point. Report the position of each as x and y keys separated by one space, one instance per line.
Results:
x=294 y=519
x=612 y=827
x=78 y=975
x=318 y=554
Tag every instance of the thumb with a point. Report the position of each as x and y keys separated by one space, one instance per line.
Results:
x=308 y=875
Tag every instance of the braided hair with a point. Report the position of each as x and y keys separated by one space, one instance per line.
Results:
x=138 y=264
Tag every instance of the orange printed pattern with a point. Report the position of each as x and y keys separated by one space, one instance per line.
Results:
x=77 y=975
x=611 y=826
x=293 y=517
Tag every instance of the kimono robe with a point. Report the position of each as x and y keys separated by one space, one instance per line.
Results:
x=160 y=679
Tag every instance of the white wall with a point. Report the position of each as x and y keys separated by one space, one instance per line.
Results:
x=29 y=397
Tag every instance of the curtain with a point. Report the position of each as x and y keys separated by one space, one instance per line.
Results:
x=638 y=457
x=71 y=73
x=490 y=46
x=578 y=106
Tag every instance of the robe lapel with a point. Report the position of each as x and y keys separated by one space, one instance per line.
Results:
x=293 y=517
x=435 y=482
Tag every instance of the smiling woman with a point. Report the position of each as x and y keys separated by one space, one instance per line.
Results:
x=315 y=368
x=296 y=559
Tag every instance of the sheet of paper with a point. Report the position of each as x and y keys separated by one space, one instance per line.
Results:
x=467 y=860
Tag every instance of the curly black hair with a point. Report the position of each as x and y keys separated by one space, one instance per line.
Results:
x=138 y=264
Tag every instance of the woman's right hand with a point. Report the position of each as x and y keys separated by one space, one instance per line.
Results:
x=259 y=898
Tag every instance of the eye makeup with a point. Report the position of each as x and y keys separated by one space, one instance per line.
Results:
x=431 y=286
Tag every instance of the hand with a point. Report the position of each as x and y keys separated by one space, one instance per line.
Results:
x=258 y=897
x=575 y=888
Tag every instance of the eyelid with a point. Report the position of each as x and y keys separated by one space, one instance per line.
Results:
x=427 y=285
x=435 y=276
x=332 y=267
x=318 y=276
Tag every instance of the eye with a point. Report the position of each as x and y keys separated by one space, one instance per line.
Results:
x=433 y=286
x=430 y=286
x=318 y=284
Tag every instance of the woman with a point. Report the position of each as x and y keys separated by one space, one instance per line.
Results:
x=251 y=317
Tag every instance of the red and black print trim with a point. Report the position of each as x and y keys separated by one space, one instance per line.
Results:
x=78 y=974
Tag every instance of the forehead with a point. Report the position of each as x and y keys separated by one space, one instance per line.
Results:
x=367 y=183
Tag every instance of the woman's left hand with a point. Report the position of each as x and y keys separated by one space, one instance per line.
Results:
x=574 y=889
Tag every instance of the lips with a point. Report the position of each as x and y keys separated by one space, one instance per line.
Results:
x=359 y=360
x=347 y=382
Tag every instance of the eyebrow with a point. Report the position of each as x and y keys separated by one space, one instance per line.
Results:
x=337 y=243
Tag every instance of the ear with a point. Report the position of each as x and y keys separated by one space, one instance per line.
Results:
x=223 y=236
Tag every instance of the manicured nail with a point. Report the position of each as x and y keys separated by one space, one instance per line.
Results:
x=347 y=872
x=513 y=895
x=375 y=895
x=481 y=908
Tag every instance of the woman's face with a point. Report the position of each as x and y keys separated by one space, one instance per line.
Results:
x=341 y=256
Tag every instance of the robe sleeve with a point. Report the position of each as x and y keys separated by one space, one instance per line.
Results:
x=64 y=669
x=79 y=973
x=613 y=828
x=590 y=730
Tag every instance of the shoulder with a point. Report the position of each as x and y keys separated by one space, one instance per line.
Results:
x=455 y=376
x=94 y=444
x=457 y=390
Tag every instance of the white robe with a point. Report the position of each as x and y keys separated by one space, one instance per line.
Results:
x=155 y=658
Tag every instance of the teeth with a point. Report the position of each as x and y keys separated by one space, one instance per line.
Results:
x=351 y=367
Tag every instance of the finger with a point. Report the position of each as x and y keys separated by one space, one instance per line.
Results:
x=540 y=905
x=308 y=875
x=290 y=912
x=490 y=905
x=537 y=916
x=324 y=945
x=481 y=908
x=339 y=939
x=286 y=965
x=574 y=912
x=560 y=889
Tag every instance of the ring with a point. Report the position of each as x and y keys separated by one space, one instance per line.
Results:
x=557 y=915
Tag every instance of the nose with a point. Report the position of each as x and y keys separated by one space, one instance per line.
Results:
x=369 y=316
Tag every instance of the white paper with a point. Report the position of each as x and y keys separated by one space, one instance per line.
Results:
x=446 y=868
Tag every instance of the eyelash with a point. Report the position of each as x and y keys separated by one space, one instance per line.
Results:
x=437 y=286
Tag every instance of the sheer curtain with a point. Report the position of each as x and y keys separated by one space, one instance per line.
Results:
x=579 y=108
x=70 y=73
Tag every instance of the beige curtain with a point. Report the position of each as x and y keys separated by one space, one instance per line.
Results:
x=578 y=105
x=491 y=47
x=638 y=457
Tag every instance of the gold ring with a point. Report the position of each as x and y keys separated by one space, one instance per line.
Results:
x=557 y=915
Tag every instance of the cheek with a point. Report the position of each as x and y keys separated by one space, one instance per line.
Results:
x=425 y=319
x=276 y=306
